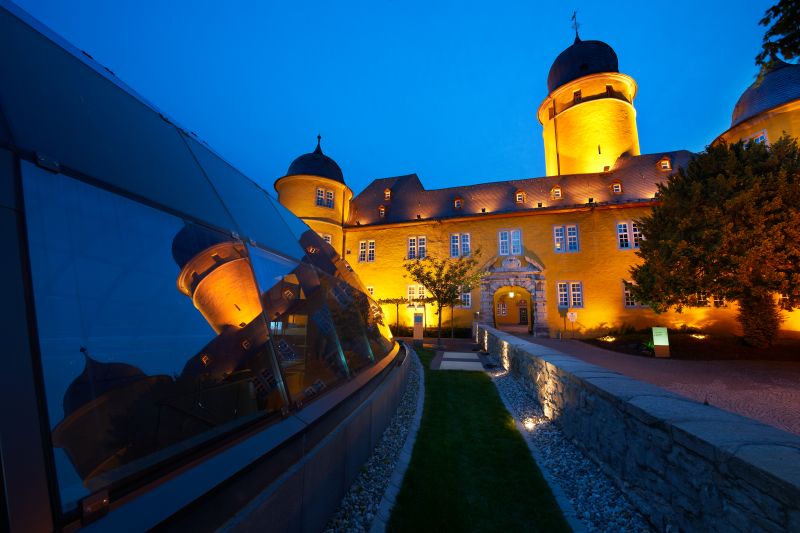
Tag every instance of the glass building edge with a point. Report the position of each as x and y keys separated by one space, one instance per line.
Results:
x=26 y=463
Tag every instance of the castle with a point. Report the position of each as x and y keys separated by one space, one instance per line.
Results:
x=553 y=247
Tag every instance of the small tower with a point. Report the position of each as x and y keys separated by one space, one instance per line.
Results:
x=314 y=190
x=588 y=116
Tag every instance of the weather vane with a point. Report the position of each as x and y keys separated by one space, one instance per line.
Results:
x=575 y=24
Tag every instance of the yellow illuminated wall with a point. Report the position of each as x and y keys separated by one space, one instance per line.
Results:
x=586 y=133
x=298 y=194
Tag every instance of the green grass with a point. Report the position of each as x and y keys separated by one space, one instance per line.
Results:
x=471 y=469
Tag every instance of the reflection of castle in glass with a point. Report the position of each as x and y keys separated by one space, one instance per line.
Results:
x=323 y=329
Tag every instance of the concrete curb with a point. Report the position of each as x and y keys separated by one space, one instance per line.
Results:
x=561 y=499
x=390 y=495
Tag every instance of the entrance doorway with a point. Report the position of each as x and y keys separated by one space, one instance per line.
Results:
x=512 y=305
x=523 y=315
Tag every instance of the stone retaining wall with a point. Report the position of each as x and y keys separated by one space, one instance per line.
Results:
x=685 y=465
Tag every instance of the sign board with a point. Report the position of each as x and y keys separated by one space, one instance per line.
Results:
x=572 y=316
x=660 y=342
x=418 y=326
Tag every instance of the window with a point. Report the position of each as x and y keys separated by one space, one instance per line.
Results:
x=576 y=97
x=565 y=238
x=555 y=193
x=516 y=242
x=459 y=245
x=609 y=90
x=502 y=309
x=387 y=194
x=327 y=237
x=720 y=302
x=417 y=247
x=629 y=235
x=457 y=203
x=381 y=211
x=324 y=197
x=701 y=299
x=665 y=164
x=466 y=299
x=366 y=251
x=512 y=237
x=371 y=291
x=519 y=196
x=627 y=297
x=570 y=294
x=760 y=137
x=616 y=187
x=415 y=292
x=785 y=302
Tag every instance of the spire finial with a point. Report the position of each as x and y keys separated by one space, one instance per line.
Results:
x=318 y=150
x=575 y=25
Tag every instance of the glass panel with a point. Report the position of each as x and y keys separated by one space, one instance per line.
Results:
x=151 y=333
x=298 y=227
x=249 y=205
x=296 y=304
x=92 y=125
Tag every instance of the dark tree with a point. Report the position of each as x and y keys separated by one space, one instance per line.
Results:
x=782 y=37
x=727 y=225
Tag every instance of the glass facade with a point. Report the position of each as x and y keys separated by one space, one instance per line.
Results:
x=158 y=334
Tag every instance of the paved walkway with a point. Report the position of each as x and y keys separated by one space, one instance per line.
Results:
x=768 y=391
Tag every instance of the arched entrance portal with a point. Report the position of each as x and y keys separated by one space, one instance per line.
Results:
x=512 y=309
x=505 y=274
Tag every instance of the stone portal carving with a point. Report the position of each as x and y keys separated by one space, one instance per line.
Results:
x=515 y=271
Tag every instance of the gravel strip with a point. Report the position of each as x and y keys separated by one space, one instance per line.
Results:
x=597 y=502
x=359 y=506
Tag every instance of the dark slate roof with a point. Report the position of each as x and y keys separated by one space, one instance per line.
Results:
x=316 y=164
x=781 y=84
x=581 y=59
x=409 y=198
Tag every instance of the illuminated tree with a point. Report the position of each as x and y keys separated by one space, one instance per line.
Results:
x=727 y=225
x=782 y=37
x=397 y=302
x=445 y=279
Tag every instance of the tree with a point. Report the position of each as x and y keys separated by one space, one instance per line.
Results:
x=445 y=279
x=782 y=37
x=727 y=225
x=396 y=302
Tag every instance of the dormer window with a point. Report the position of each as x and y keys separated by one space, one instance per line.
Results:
x=519 y=197
x=664 y=163
x=458 y=202
x=387 y=194
x=382 y=211
x=555 y=192
x=616 y=187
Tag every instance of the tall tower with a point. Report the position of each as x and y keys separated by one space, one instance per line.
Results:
x=588 y=117
x=314 y=190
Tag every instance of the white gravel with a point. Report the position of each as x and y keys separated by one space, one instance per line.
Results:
x=360 y=505
x=598 y=503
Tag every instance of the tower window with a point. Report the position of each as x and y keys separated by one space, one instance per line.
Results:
x=324 y=197
x=555 y=192
x=576 y=97
x=387 y=194
x=609 y=90
x=598 y=149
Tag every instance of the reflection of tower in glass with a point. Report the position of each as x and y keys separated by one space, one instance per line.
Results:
x=215 y=274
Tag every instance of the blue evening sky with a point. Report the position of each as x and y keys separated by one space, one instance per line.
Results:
x=448 y=90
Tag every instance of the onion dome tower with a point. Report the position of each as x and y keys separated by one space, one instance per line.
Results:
x=314 y=190
x=216 y=275
x=769 y=107
x=588 y=116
